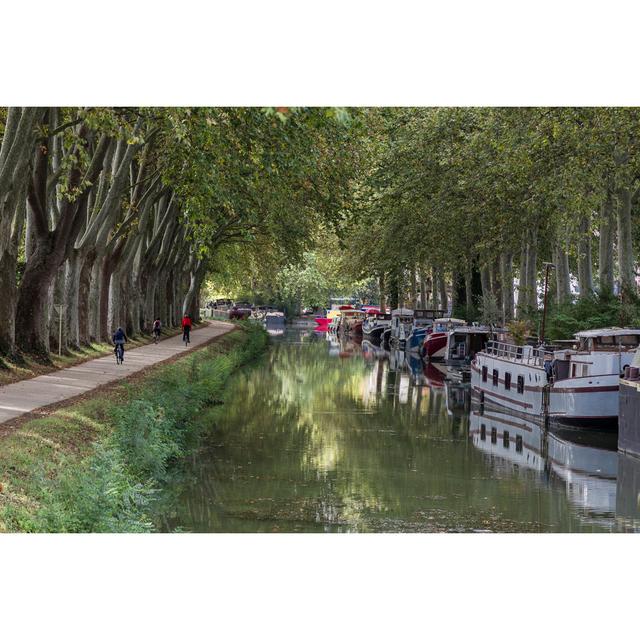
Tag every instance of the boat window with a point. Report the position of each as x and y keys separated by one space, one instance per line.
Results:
x=606 y=340
x=520 y=384
x=483 y=432
x=628 y=341
x=484 y=374
x=496 y=377
x=585 y=370
x=494 y=435
x=507 y=381
x=573 y=370
x=505 y=439
x=518 y=444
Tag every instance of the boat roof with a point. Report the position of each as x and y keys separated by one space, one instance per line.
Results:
x=450 y=320
x=610 y=331
x=402 y=312
x=428 y=313
x=482 y=330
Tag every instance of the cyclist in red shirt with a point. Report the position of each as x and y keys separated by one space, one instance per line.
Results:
x=186 y=328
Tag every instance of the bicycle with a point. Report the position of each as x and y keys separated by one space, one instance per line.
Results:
x=119 y=350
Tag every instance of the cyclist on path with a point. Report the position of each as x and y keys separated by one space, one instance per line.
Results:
x=119 y=338
x=157 y=328
x=186 y=328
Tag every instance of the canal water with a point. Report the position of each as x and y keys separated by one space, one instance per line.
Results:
x=329 y=436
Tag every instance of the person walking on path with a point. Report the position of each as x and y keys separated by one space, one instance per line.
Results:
x=157 y=328
x=186 y=328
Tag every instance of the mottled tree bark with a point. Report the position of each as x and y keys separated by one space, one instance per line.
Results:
x=625 y=246
x=563 y=284
x=605 y=258
x=585 y=269
x=444 y=302
x=506 y=275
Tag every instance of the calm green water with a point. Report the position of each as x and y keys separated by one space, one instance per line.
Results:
x=328 y=437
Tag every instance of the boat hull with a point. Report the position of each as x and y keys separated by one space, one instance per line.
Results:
x=323 y=323
x=435 y=346
x=416 y=340
x=629 y=427
x=374 y=334
x=580 y=401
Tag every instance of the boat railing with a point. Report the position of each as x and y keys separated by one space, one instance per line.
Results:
x=520 y=353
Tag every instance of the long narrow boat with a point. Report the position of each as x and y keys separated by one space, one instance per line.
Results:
x=578 y=385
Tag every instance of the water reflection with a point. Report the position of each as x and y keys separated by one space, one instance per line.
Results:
x=325 y=434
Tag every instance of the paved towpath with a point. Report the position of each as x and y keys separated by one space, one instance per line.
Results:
x=26 y=396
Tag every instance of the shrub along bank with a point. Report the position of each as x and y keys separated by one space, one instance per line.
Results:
x=102 y=464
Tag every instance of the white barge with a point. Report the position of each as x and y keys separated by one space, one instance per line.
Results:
x=572 y=385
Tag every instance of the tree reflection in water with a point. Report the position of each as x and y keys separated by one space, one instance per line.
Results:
x=323 y=435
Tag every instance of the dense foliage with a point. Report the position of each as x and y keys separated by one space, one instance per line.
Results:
x=118 y=214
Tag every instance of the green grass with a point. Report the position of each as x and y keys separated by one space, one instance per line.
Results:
x=102 y=464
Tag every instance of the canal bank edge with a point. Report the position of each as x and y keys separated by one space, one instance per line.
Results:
x=100 y=463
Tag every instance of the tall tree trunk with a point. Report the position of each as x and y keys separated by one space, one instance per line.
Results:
x=443 y=291
x=190 y=301
x=394 y=290
x=15 y=212
x=435 y=286
x=33 y=299
x=72 y=271
x=383 y=302
x=605 y=258
x=532 y=270
x=625 y=247
x=506 y=275
x=485 y=279
x=84 y=297
x=95 y=296
x=496 y=285
x=522 y=276
x=413 y=288
x=563 y=284
x=468 y=291
x=585 y=271
x=423 y=289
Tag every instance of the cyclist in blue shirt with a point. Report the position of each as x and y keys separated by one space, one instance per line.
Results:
x=119 y=338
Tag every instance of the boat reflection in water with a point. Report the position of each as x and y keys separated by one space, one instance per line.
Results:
x=326 y=434
x=601 y=484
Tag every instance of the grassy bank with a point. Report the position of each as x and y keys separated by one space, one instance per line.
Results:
x=101 y=464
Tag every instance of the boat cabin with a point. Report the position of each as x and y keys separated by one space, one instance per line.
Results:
x=465 y=342
x=613 y=339
x=400 y=317
x=447 y=324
